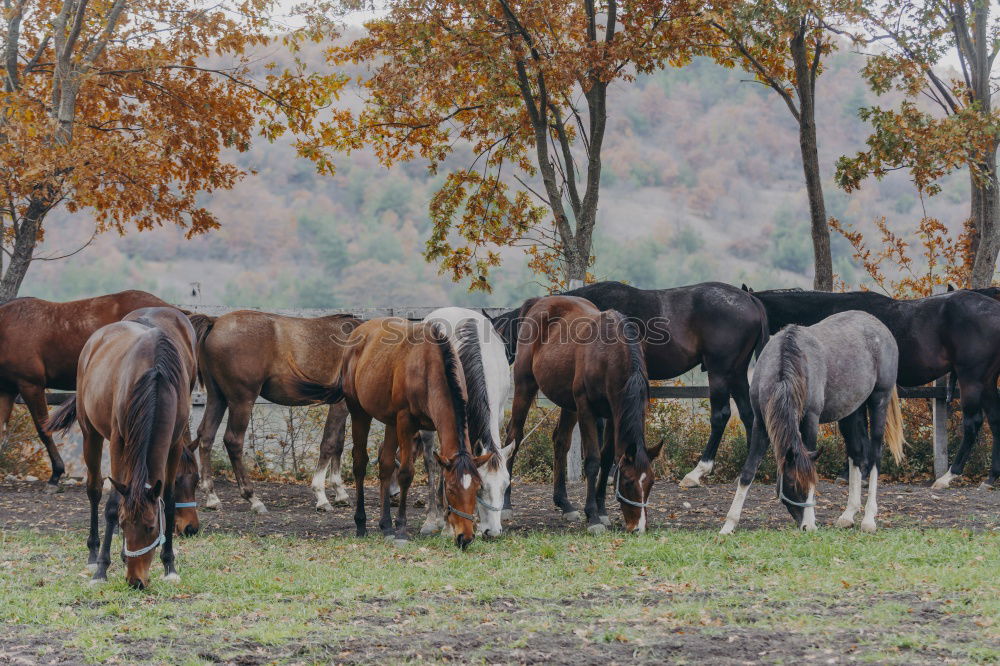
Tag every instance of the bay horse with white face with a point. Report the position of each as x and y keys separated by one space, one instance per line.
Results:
x=590 y=364
x=40 y=344
x=842 y=369
x=712 y=325
x=245 y=354
x=134 y=387
x=487 y=382
x=408 y=376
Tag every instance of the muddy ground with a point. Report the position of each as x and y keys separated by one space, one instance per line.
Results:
x=24 y=505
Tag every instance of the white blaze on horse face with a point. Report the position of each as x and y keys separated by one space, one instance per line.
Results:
x=466 y=481
x=809 y=513
x=735 y=509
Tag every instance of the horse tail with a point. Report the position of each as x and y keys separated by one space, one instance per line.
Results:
x=765 y=333
x=635 y=393
x=152 y=400
x=63 y=417
x=309 y=390
x=202 y=327
x=894 y=427
x=480 y=412
x=784 y=409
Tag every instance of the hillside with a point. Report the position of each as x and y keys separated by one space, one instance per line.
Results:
x=702 y=181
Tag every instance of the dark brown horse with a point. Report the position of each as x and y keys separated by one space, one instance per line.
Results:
x=40 y=344
x=134 y=387
x=408 y=376
x=712 y=325
x=589 y=363
x=245 y=354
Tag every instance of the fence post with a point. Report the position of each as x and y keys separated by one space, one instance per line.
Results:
x=939 y=410
x=574 y=461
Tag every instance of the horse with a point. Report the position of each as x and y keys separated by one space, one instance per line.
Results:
x=487 y=381
x=245 y=354
x=134 y=385
x=185 y=494
x=711 y=324
x=591 y=365
x=408 y=376
x=40 y=343
x=957 y=332
x=842 y=369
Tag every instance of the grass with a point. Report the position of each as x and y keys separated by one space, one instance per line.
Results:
x=775 y=595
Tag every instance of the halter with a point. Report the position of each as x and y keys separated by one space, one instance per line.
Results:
x=781 y=494
x=185 y=505
x=156 y=542
x=618 y=493
x=449 y=508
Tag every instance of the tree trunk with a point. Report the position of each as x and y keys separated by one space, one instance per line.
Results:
x=985 y=209
x=823 y=280
x=25 y=241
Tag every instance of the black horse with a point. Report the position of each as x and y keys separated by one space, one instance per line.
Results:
x=711 y=324
x=957 y=332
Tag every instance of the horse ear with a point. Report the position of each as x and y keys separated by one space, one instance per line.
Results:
x=654 y=451
x=951 y=287
x=507 y=450
x=483 y=459
x=745 y=288
x=154 y=492
x=445 y=463
x=487 y=315
x=120 y=487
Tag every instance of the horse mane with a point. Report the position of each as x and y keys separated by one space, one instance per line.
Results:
x=471 y=356
x=141 y=414
x=635 y=394
x=783 y=410
x=452 y=366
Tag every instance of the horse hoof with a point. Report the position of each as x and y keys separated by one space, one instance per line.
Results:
x=361 y=533
x=258 y=508
x=868 y=527
x=429 y=529
x=690 y=482
x=342 y=501
x=325 y=506
x=597 y=529
x=728 y=528
x=92 y=568
x=940 y=485
x=94 y=582
x=506 y=514
x=808 y=528
x=844 y=523
x=172 y=577
x=986 y=485
x=399 y=543
x=604 y=521
x=53 y=488
x=213 y=502
x=571 y=516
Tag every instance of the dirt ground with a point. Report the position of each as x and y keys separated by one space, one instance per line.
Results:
x=24 y=505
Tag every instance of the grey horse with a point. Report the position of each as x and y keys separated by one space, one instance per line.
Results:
x=842 y=369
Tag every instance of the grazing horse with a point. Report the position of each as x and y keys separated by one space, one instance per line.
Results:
x=714 y=325
x=589 y=363
x=185 y=494
x=40 y=343
x=408 y=376
x=245 y=354
x=134 y=387
x=842 y=369
x=956 y=332
x=487 y=381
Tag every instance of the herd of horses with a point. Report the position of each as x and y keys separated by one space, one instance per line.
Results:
x=440 y=387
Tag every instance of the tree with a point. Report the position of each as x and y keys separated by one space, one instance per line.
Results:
x=782 y=43
x=124 y=108
x=917 y=38
x=508 y=78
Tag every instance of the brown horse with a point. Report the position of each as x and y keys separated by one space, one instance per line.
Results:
x=134 y=387
x=244 y=354
x=185 y=493
x=589 y=363
x=40 y=343
x=408 y=376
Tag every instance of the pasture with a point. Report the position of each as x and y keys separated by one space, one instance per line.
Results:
x=294 y=586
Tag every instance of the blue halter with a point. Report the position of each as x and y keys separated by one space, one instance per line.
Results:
x=781 y=494
x=185 y=505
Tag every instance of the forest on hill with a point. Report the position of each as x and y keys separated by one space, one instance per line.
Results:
x=702 y=180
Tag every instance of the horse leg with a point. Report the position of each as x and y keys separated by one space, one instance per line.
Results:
x=215 y=409
x=856 y=460
x=330 y=451
x=591 y=464
x=110 y=522
x=607 y=446
x=758 y=445
x=435 y=512
x=878 y=405
x=34 y=398
x=6 y=407
x=170 y=515
x=718 y=398
x=93 y=448
x=361 y=423
x=809 y=429
x=972 y=420
x=561 y=440
x=236 y=430
x=524 y=395
x=405 y=434
x=991 y=405
x=386 y=469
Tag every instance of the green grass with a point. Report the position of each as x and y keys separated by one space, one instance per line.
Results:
x=899 y=595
